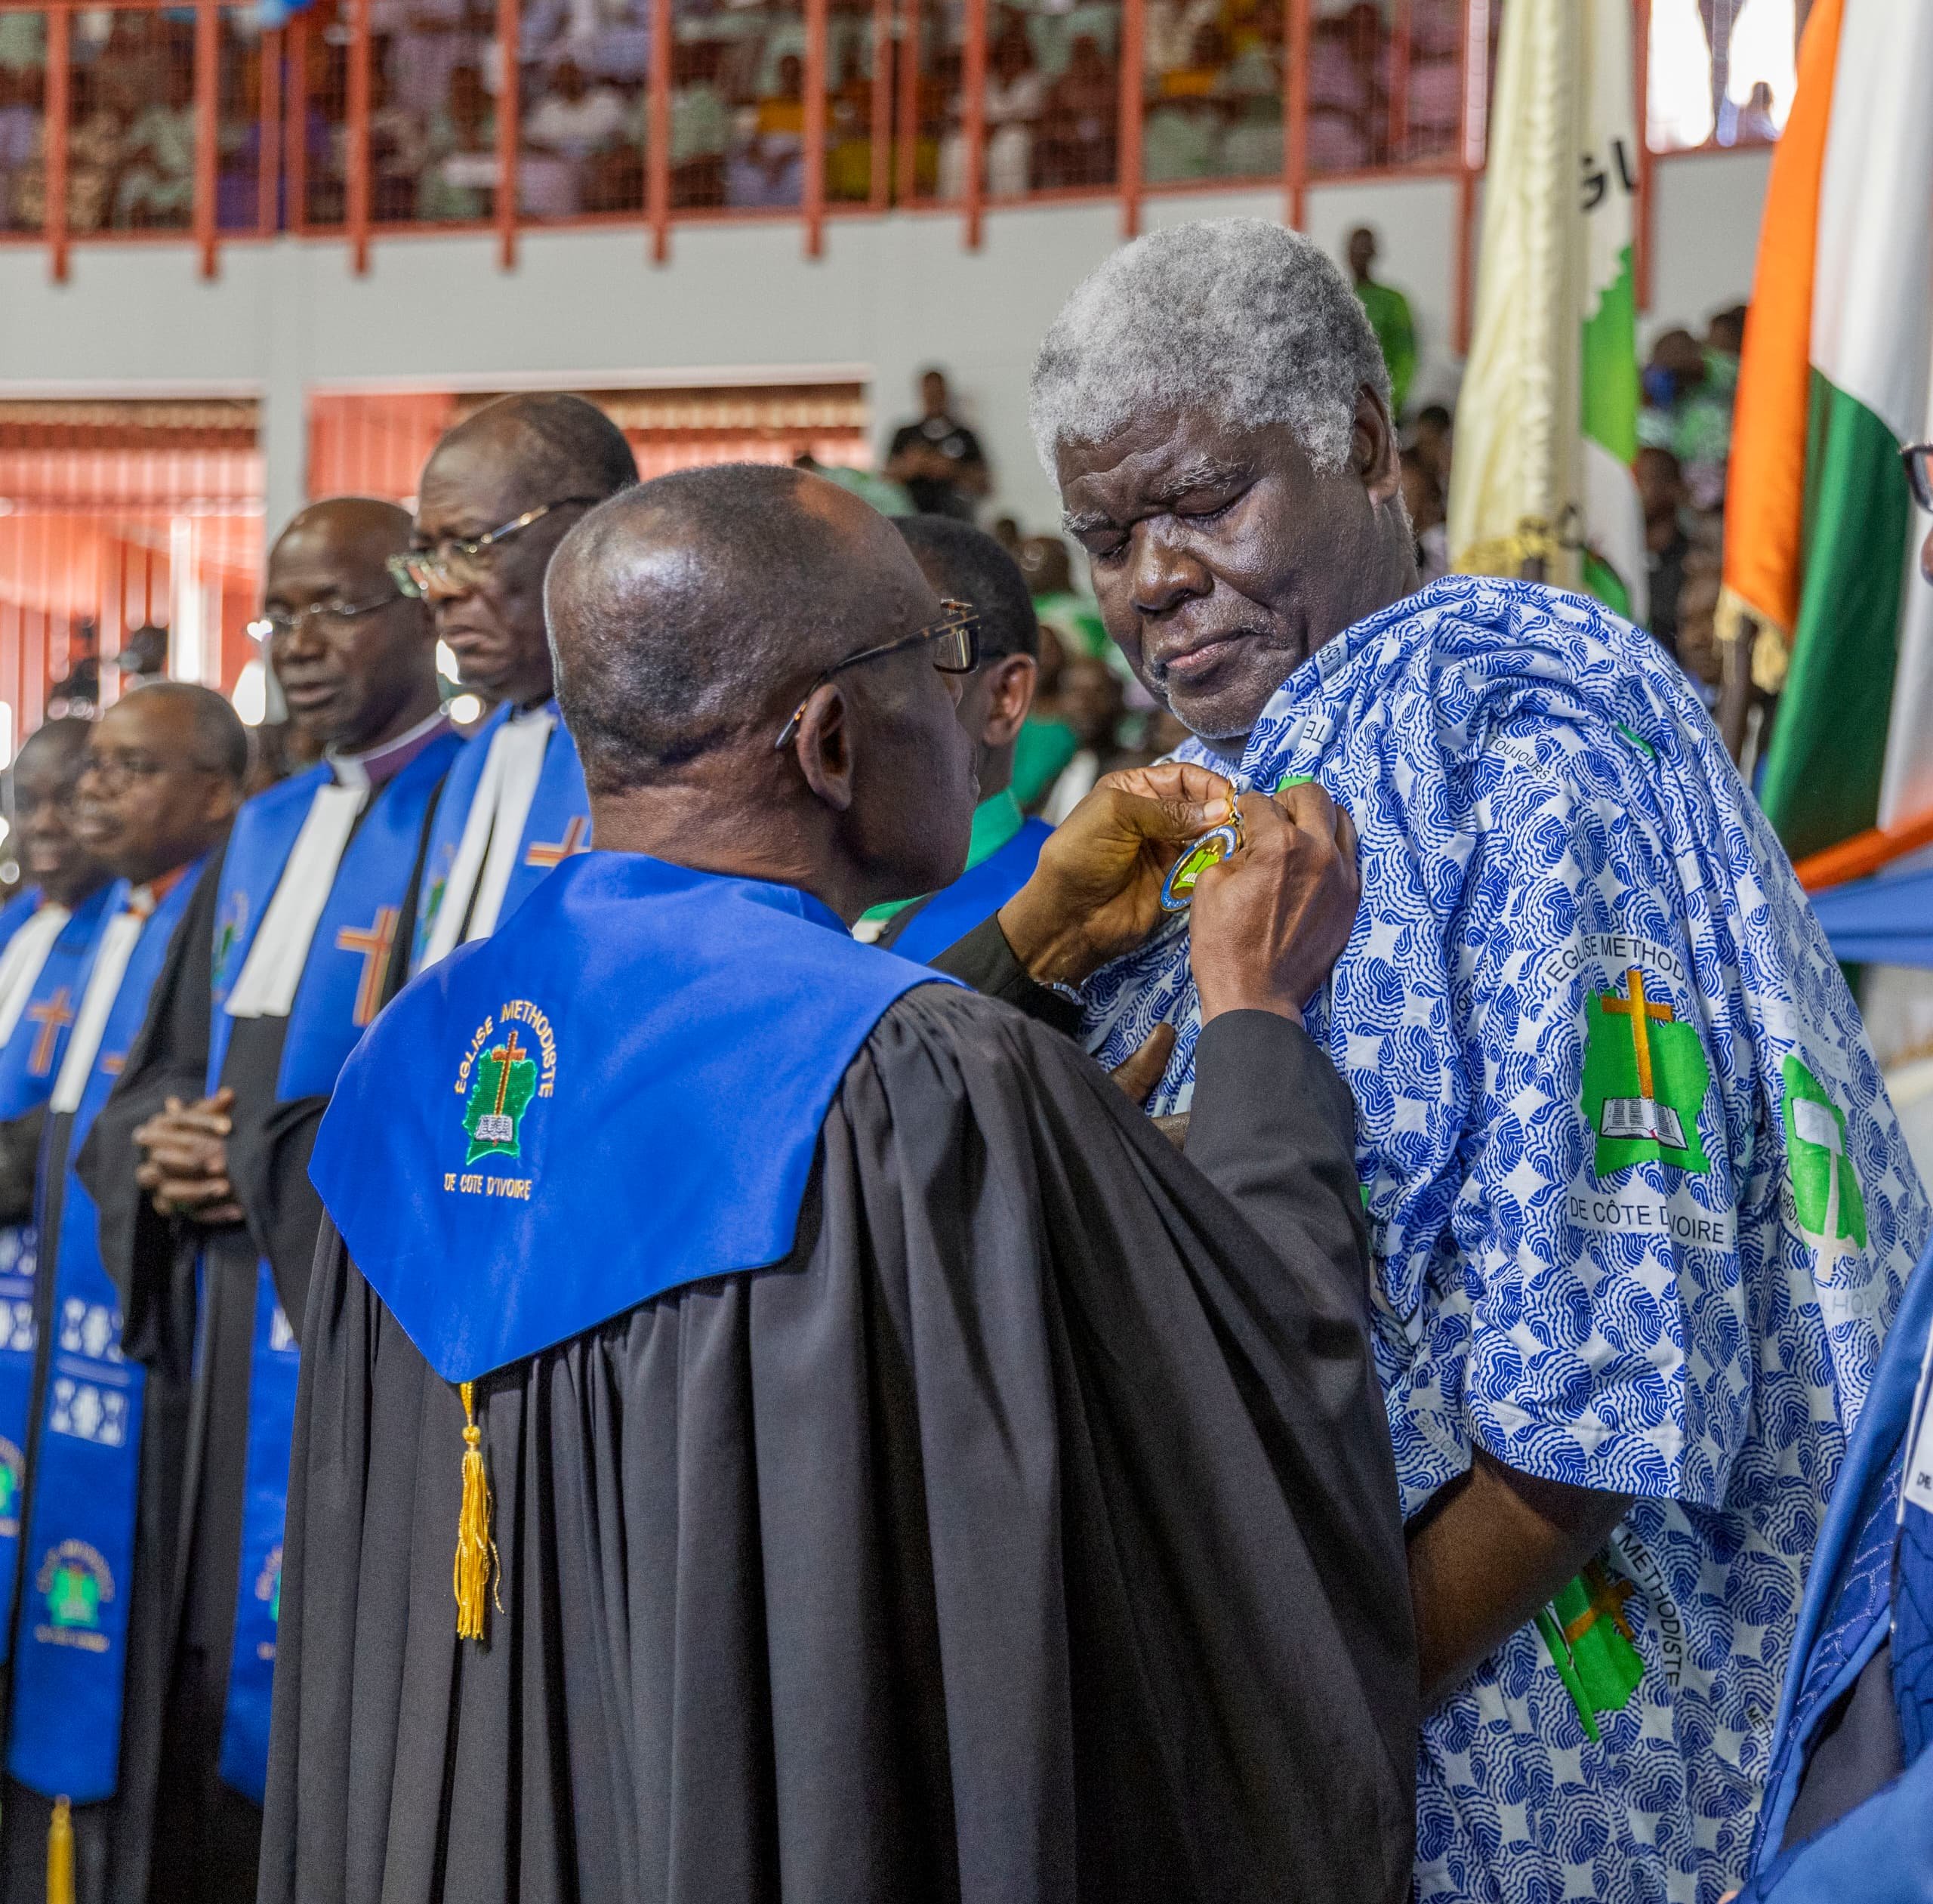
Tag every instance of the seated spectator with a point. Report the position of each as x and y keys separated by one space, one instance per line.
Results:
x=1015 y=96
x=1169 y=31
x=157 y=184
x=1081 y=120
x=1661 y=493
x=1343 y=54
x=565 y=130
x=1201 y=76
x=1181 y=138
x=398 y=151
x=848 y=154
x=432 y=39
x=95 y=140
x=1252 y=143
x=1422 y=497
x=460 y=185
x=701 y=125
x=767 y=163
x=20 y=139
x=1755 y=124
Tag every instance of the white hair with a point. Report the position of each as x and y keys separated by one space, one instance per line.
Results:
x=1238 y=316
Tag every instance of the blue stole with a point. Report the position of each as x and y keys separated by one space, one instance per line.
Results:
x=1912 y=1575
x=953 y=911
x=17 y=913
x=29 y=1064
x=71 y=1649
x=337 y=996
x=557 y=828
x=619 y=1093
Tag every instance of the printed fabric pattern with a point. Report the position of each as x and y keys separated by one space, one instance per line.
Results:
x=1640 y=1207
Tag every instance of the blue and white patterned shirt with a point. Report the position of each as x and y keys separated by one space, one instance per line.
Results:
x=1640 y=1209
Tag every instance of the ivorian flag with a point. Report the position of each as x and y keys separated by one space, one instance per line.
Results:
x=1821 y=542
x=1546 y=428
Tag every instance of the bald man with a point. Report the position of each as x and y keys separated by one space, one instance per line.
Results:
x=498 y=494
x=879 y=1466
x=98 y=1547
x=199 y=1161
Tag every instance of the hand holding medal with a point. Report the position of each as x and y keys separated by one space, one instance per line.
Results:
x=1272 y=909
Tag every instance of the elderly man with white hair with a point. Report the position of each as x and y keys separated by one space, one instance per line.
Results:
x=1640 y=1209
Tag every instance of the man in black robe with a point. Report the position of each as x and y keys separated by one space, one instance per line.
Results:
x=221 y=1195
x=163 y=774
x=880 y=1465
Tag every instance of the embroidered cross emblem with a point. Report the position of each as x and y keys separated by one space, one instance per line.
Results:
x=53 y=1016
x=374 y=941
x=547 y=853
x=1641 y=1011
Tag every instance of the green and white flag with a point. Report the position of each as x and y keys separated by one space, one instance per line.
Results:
x=1546 y=427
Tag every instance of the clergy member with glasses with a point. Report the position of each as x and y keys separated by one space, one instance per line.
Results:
x=777 y=1423
x=497 y=494
x=282 y=962
x=93 y=1605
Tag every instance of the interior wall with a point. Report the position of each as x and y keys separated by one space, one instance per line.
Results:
x=888 y=296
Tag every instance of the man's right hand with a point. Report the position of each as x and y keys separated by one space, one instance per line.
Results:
x=1267 y=925
x=1096 y=892
x=184 y=1160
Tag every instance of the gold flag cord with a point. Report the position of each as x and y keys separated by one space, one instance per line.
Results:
x=60 y=1854
x=1535 y=541
x=476 y=1562
x=1771 y=646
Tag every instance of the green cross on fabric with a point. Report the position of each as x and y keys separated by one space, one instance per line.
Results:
x=1825 y=1187
x=1646 y=1077
x=506 y=1081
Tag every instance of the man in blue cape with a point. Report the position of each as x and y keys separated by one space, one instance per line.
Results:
x=43 y=972
x=1640 y=1209
x=966 y=564
x=43 y=976
x=878 y=1464
x=497 y=495
x=98 y=1544
x=283 y=960
x=1849 y=1804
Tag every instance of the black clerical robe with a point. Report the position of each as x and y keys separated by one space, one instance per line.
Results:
x=1030 y=1531
x=176 y=1276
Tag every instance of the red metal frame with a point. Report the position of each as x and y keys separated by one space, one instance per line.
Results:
x=658 y=141
x=356 y=161
x=281 y=194
x=812 y=197
x=54 y=121
x=1127 y=137
x=510 y=71
x=1295 y=118
x=208 y=127
x=295 y=142
x=973 y=119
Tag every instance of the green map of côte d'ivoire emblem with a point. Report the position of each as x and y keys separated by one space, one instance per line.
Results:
x=1646 y=1077
x=501 y=1086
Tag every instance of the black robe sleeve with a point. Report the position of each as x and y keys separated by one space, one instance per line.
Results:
x=1030 y=1533
x=984 y=959
x=169 y=1058
x=20 y=1163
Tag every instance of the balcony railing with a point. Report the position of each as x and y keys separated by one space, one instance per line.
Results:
x=362 y=119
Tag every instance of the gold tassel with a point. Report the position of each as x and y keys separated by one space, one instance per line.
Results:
x=477 y=1563
x=61 y=1854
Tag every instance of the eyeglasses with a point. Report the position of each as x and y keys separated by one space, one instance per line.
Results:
x=1918 y=458
x=282 y=622
x=116 y=770
x=956 y=641
x=463 y=561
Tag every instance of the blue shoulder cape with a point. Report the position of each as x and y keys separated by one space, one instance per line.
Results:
x=619 y=1092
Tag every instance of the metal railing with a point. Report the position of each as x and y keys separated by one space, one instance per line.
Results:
x=361 y=118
